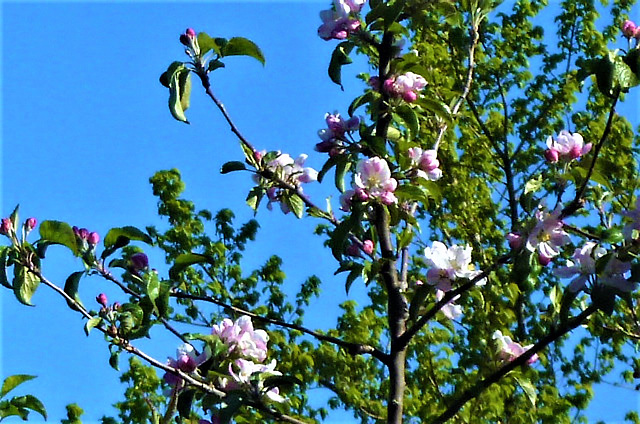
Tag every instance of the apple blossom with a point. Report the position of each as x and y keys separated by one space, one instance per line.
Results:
x=448 y=264
x=186 y=360
x=583 y=265
x=102 y=299
x=426 y=162
x=547 y=236
x=613 y=275
x=242 y=338
x=334 y=135
x=566 y=146
x=368 y=247
x=405 y=86
x=374 y=179
x=30 y=224
x=251 y=374
x=508 y=350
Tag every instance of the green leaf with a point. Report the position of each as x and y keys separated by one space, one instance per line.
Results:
x=533 y=185
x=25 y=284
x=30 y=402
x=4 y=280
x=239 y=46
x=207 y=43
x=409 y=118
x=368 y=97
x=113 y=237
x=341 y=169
x=184 y=261
x=92 y=323
x=158 y=294
x=114 y=360
x=184 y=78
x=232 y=166
x=175 y=101
x=71 y=288
x=296 y=204
x=612 y=236
x=528 y=389
x=14 y=381
x=418 y=300
x=412 y=193
x=215 y=64
x=254 y=197
x=165 y=78
x=15 y=218
x=233 y=401
x=281 y=381
x=339 y=58
x=56 y=232
x=185 y=400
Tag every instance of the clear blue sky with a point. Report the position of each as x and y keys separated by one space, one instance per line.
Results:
x=85 y=124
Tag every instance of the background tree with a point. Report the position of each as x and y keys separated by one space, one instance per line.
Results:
x=486 y=118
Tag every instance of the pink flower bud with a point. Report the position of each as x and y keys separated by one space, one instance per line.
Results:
x=102 y=299
x=76 y=231
x=515 y=240
x=367 y=247
x=324 y=146
x=551 y=155
x=116 y=306
x=409 y=96
x=374 y=82
x=93 y=238
x=575 y=152
x=6 y=226
x=139 y=261
x=388 y=86
x=629 y=29
x=361 y=194
x=31 y=223
x=257 y=155
x=190 y=33
x=184 y=40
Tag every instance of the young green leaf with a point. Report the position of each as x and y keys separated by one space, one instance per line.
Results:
x=339 y=58
x=232 y=166
x=56 y=232
x=239 y=46
x=4 y=253
x=92 y=323
x=25 y=284
x=14 y=381
x=130 y=232
x=71 y=288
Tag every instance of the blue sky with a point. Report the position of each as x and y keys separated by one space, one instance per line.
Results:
x=85 y=124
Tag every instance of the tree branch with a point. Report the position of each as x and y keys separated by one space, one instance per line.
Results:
x=483 y=384
x=352 y=348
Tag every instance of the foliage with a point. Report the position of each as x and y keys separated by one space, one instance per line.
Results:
x=446 y=164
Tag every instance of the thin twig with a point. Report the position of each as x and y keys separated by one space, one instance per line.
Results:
x=352 y=348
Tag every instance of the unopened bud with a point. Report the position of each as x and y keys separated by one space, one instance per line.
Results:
x=102 y=299
x=551 y=155
x=543 y=259
x=184 y=39
x=6 y=226
x=31 y=223
x=367 y=247
x=353 y=250
x=409 y=96
x=93 y=238
x=515 y=240
x=629 y=29
x=190 y=33
x=83 y=233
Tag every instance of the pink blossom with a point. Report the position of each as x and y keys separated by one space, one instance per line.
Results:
x=448 y=264
x=373 y=177
x=341 y=21
x=247 y=373
x=547 y=236
x=405 y=86
x=566 y=146
x=241 y=337
x=582 y=266
x=427 y=163
x=629 y=29
x=613 y=275
x=334 y=135
x=186 y=361
x=508 y=350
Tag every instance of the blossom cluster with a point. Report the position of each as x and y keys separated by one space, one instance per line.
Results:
x=340 y=21
x=426 y=163
x=372 y=181
x=566 y=146
x=187 y=360
x=86 y=237
x=334 y=136
x=250 y=348
x=448 y=264
x=6 y=227
x=508 y=350
x=405 y=86
x=289 y=171
x=631 y=30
